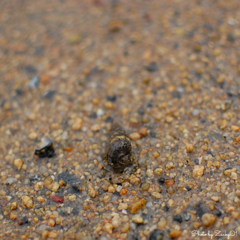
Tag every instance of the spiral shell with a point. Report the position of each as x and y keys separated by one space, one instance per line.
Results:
x=118 y=153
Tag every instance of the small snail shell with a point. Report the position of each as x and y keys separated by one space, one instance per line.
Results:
x=118 y=153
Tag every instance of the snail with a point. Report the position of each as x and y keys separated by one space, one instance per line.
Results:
x=118 y=153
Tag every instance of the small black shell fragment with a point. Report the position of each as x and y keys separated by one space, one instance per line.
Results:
x=46 y=150
x=78 y=186
x=156 y=235
x=118 y=153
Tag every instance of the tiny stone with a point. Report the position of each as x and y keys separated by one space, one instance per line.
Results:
x=217 y=213
x=72 y=198
x=169 y=182
x=162 y=223
x=24 y=220
x=86 y=205
x=27 y=201
x=226 y=220
x=152 y=67
x=143 y=132
x=137 y=205
x=51 y=222
x=198 y=171
x=156 y=154
x=156 y=195
x=123 y=191
x=149 y=172
x=234 y=176
x=109 y=105
x=145 y=186
x=122 y=206
x=156 y=235
x=158 y=171
x=208 y=219
x=235 y=128
x=13 y=216
x=95 y=128
x=41 y=199
x=116 y=221
x=161 y=181
x=134 y=136
x=111 y=189
x=100 y=112
x=187 y=217
x=112 y=98
x=91 y=191
x=55 y=186
x=34 y=82
x=125 y=228
x=177 y=218
x=169 y=119
x=223 y=124
x=77 y=124
x=215 y=198
x=10 y=181
x=170 y=190
x=195 y=112
x=175 y=233
x=196 y=225
x=19 y=163
x=169 y=165
x=108 y=228
x=14 y=205
x=53 y=234
x=189 y=148
x=32 y=136
x=137 y=219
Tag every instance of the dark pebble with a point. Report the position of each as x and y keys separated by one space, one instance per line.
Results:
x=75 y=211
x=30 y=69
x=197 y=161
x=156 y=235
x=24 y=220
x=49 y=94
x=161 y=181
x=141 y=111
x=201 y=209
x=34 y=179
x=45 y=151
x=217 y=212
x=176 y=94
x=152 y=67
x=109 y=120
x=150 y=105
x=19 y=92
x=117 y=194
x=112 y=98
x=78 y=186
x=188 y=188
x=231 y=38
x=93 y=115
x=153 y=134
x=166 y=208
x=177 y=218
